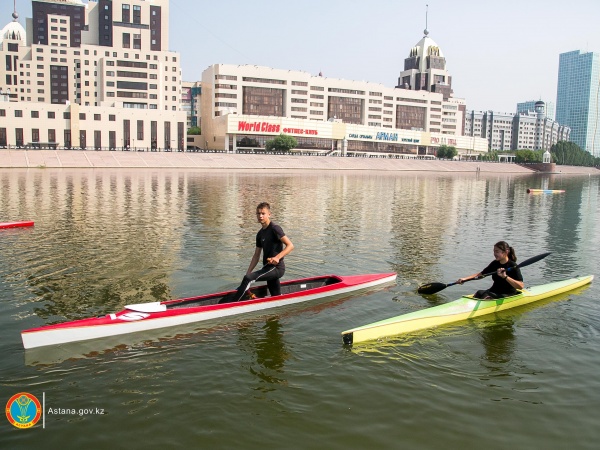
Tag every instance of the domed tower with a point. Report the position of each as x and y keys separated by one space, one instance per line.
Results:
x=12 y=38
x=425 y=68
x=14 y=31
x=540 y=109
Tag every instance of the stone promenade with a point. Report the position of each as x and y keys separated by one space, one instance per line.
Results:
x=210 y=161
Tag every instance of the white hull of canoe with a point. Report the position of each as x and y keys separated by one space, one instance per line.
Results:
x=54 y=336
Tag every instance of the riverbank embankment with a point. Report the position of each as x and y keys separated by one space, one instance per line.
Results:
x=207 y=161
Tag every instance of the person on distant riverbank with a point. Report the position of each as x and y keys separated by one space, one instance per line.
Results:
x=506 y=282
x=270 y=241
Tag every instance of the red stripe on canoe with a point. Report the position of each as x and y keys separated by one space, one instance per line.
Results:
x=16 y=224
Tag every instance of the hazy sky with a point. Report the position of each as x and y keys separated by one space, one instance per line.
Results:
x=498 y=52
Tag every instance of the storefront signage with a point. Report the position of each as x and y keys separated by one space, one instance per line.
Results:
x=266 y=127
x=443 y=140
x=300 y=131
x=381 y=136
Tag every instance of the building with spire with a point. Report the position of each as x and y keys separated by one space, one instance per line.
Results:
x=425 y=69
x=104 y=66
x=243 y=106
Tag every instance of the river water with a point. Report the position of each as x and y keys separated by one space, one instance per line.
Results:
x=524 y=378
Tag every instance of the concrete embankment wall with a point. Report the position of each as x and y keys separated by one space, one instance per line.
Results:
x=208 y=161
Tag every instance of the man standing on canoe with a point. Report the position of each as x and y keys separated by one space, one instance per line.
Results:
x=270 y=241
x=506 y=274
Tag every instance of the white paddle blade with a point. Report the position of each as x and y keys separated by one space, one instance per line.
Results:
x=147 y=307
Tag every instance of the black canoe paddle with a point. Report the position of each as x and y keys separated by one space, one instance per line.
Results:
x=433 y=288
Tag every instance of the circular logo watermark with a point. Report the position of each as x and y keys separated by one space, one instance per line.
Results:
x=23 y=410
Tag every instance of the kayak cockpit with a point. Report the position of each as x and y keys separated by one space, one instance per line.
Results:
x=287 y=287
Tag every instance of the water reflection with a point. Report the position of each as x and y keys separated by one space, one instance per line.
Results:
x=267 y=349
x=498 y=341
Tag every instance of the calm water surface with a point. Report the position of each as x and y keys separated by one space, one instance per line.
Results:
x=525 y=378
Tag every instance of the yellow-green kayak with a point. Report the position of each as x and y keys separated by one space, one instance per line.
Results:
x=464 y=308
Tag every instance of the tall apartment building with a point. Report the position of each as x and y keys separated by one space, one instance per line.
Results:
x=529 y=105
x=111 y=55
x=531 y=130
x=496 y=128
x=578 y=98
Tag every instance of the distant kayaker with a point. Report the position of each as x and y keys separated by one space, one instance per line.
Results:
x=506 y=282
x=272 y=242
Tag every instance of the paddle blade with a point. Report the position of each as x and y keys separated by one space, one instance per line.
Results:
x=533 y=260
x=431 y=288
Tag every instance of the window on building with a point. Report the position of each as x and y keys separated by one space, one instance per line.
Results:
x=67 y=137
x=19 y=137
x=140 y=130
x=125 y=14
x=137 y=14
x=3 y=139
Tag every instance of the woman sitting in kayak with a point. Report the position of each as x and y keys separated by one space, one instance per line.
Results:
x=505 y=273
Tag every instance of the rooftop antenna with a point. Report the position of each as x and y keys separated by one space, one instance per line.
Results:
x=15 y=14
x=426 y=31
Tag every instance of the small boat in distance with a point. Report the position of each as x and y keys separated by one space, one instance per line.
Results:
x=545 y=191
x=27 y=223
x=155 y=315
x=464 y=308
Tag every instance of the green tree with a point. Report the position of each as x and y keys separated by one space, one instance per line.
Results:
x=194 y=131
x=447 y=152
x=570 y=154
x=282 y=143
x=529 y=156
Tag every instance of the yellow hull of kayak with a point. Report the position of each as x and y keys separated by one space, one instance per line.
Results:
x=462 y=309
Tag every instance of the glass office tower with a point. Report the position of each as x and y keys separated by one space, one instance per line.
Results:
x=578 y=98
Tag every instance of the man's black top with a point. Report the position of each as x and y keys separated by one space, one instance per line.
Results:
x=269 y=239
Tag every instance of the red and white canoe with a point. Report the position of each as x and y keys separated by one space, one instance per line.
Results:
x=154 y=315
x=27 y=223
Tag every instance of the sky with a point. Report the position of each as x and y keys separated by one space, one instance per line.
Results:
x=497 y=52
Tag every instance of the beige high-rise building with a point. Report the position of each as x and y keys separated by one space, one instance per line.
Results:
x=109 y=55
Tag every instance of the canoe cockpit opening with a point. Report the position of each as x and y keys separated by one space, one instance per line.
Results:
x=261 y=291
x=309 y=284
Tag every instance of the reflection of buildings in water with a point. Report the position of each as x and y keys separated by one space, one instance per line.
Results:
x=268 y=351
x=423 y=215
x=102 y=238
x=221 y=211
x=566 y=221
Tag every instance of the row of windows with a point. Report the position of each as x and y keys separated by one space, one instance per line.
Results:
x=126 y=140
x=52 y=115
